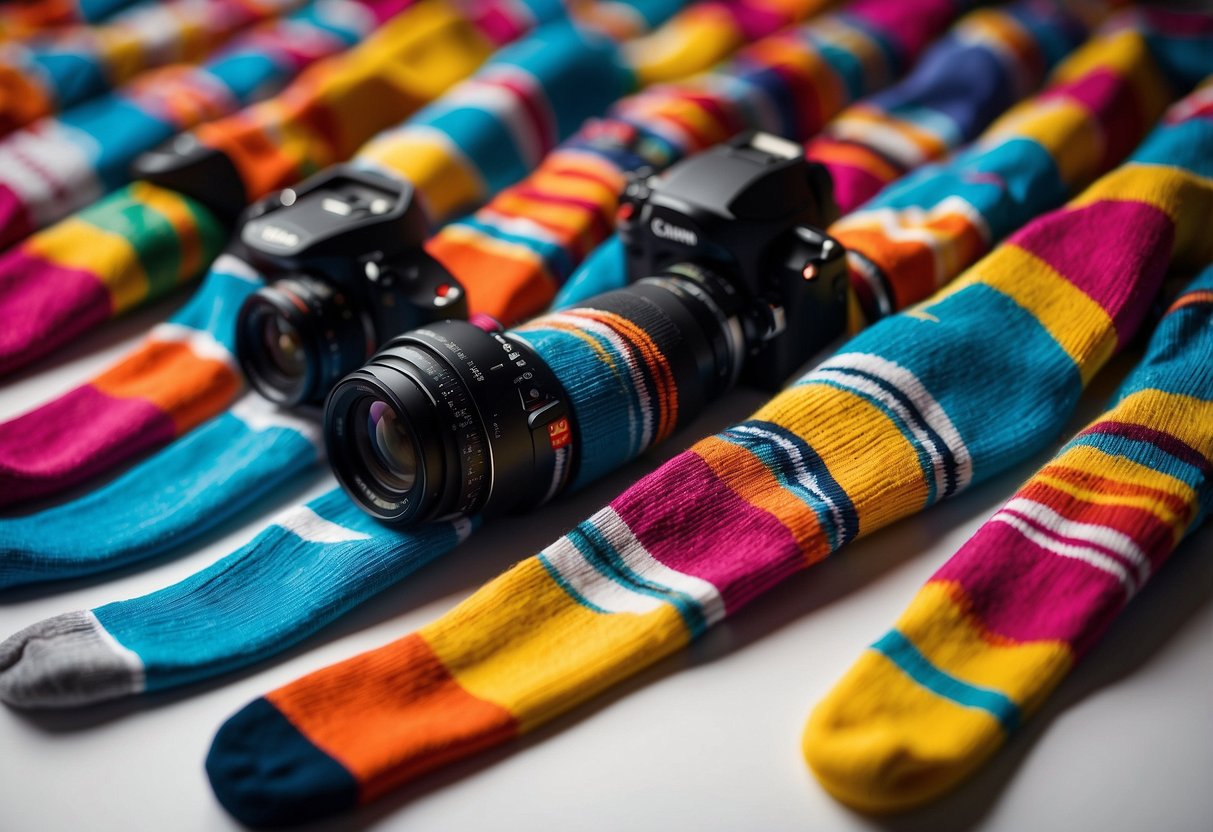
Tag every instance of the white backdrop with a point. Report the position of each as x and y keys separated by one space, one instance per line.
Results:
x=706 y=740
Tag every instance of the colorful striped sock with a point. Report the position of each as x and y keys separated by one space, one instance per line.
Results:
x=43 y=75
x=57 y=165
x=997 y=628
x=897 y=420
x=345 y=558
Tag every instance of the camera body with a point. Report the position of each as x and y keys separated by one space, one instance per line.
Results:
x=346 y=270
x=750 y=211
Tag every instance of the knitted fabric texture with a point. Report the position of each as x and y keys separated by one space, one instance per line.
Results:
x=896 y=421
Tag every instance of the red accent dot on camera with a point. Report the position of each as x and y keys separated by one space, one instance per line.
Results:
x=443 y=290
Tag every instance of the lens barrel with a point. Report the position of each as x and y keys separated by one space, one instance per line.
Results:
x=297 y=336
x=484 y=420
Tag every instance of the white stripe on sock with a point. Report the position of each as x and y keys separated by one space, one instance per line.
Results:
x=1097 y=535
x=310 y=526
x=260 y=414
x=201 y=343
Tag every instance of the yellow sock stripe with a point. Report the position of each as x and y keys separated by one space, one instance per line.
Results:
x=445 y=179
x=507 y=644
x=1185 y=417
x=860 y=446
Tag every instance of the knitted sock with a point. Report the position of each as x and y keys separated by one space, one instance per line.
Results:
x=58 y=165
x=476 y=255
x=65 y=68
x=998 y=627
x=896 y=421
x=919 y=234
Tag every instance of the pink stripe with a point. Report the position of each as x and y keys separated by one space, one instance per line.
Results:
x=853 y=186
x=43 y=305
x=755 y=22
x=497 y=26
x=1111 y=101
x=387 y=9
x=73 y=438
x=1024 y=592
x=15 y=222
x=692 y=522
x=1115 y=251
x=911 y=25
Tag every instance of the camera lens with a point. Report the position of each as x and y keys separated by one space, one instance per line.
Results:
x=446 y=421
x=283 y=346
x=296 y=337
x=393 y=451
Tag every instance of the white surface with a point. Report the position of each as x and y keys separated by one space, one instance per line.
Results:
x=706 y=740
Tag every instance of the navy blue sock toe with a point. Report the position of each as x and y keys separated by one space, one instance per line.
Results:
x=266 y=773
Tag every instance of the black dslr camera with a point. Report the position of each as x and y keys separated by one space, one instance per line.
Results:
x=750 y=212
x=733 y=277
x=345 y=270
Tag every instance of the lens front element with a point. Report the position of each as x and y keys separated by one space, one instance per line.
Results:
x=283 y=346
x=393 y=452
